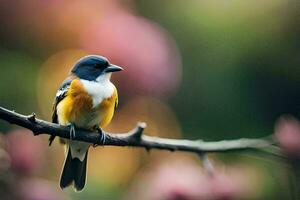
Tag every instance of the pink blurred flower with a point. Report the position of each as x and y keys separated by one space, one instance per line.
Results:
x=184 y=179
x=107 y=27
x=287 y=132
x=26 y=151
x=39 y=189
x=4 y=160
x=147 y=52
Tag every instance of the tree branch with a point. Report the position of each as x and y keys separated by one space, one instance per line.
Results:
x=136 y=138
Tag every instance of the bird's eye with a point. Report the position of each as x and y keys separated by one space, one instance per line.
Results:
x=97 y=65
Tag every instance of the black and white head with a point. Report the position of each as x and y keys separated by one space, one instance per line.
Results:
x=94 y=68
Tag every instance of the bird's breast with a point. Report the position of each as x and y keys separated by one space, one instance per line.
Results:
x=98 y=91
x=87 y=104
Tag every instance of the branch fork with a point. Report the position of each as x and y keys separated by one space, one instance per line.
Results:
x=137 y=132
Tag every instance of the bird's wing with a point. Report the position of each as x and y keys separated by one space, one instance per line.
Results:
x=60 y=95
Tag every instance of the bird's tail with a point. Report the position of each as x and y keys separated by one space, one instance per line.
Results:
x=74 y=170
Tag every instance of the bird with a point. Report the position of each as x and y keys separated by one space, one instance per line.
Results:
x=86 y=99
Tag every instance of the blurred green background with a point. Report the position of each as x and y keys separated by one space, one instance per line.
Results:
x=194 y=69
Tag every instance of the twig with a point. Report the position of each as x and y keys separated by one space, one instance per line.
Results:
x=207 y=165
x=136 y=138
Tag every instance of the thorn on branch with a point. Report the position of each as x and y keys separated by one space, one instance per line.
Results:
x=35 y=133
x=138 y=131
x=32 y=118
x=173 y=149
x=148 y=149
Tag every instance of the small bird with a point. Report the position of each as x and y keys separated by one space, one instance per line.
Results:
x=86 y=99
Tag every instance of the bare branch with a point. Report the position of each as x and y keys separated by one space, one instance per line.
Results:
x=136 y=138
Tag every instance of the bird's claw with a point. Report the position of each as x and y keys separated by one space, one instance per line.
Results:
x=72 y=131
x=99 y=130
x=102 y=137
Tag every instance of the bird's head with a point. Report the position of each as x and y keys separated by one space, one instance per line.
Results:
x=94 y=68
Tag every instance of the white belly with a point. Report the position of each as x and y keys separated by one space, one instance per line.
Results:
x=89 y=120
x=78 y=149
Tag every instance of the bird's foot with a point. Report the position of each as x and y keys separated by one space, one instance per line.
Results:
x=72 y=131
x=102 y=136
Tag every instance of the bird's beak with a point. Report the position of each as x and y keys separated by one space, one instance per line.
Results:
x=113 y=68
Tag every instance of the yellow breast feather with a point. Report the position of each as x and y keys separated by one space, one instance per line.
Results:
x=107 y=107
x=77 y=108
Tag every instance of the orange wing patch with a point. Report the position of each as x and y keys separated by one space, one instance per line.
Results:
x=75 y=107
